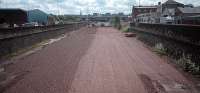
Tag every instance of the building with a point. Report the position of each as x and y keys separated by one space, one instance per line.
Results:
x=13 y=17
x=161 y=13
x=137 y=10
x=121 y=14
x=169 y=9
x=37 y=16
x=170 y=12
x=178 y=13
x=171 y=4
x=104 y=17
x=188 y=11
x=95 y=14
x=188 y=15
x=147 y=18
x=18 y=17
x=52 y=20
x=108 y=14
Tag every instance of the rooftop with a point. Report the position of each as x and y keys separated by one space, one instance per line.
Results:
x=171 y=2
x=190 y=10
x=145 y=7
x=11 y=9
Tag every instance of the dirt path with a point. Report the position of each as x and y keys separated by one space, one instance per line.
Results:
x=102 y=61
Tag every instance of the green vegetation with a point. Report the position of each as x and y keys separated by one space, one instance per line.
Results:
x=125 y=29
x=116 y=22
x=160 y=50
x=186 y=63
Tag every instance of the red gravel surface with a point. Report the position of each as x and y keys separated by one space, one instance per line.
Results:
x=98 y=60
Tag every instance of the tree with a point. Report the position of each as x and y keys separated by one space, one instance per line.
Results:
x=116 y=22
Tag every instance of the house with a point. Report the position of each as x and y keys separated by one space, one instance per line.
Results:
x=142 y=9
x=96 y=14
x=171 y=4
x=147 y=18
x=170 y=12
x=168 y=16
x=188 y=15
x=147 y=14
x=52 y=20
x=188 y=11
x=169 y=9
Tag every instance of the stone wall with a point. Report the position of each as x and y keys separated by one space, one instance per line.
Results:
x=177 y=40
x=14 y=39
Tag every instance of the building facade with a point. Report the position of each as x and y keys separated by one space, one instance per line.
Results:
x=170 y=12
x=37 y=16
x=137 y=10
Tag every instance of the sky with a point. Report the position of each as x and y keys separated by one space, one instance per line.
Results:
x=86 y=6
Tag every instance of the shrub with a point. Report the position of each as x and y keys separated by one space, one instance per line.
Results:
x=160 y=50
x=186 y=63
x=116 y=22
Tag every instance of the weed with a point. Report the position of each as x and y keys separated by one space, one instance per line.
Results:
x=160 y=50
x=186 y=63
x=125 y=29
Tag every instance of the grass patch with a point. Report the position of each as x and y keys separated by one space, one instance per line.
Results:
x=160 y=50
x=125 y=29
x=186 y=63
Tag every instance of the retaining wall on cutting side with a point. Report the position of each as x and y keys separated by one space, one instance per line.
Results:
x=14 y=39
x=177 y=40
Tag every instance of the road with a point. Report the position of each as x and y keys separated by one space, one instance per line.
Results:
x=98 y=60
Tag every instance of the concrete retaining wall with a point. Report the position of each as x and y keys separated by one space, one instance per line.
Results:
x=14 y=39
x=178 y=40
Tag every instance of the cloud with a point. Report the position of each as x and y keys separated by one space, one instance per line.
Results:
x=86 y=6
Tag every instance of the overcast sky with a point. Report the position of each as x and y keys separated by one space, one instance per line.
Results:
x=86 y=6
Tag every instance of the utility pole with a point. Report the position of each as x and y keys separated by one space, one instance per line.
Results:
x=130 y=6
x=88 y=14
x=139 y=3
x=57 y=7
x=58 y=11
x=0 y=3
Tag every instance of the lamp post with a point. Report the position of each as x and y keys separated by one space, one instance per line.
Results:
x=139 y=3
x=58 y=11
x=88 y=14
